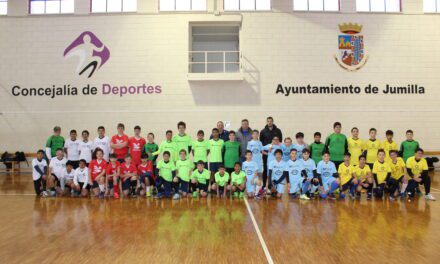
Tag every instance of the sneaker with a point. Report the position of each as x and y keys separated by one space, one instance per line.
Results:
x=293 y=195
x=369 y=196
x=312 y=196
x=101 y=195
x=352 y=196
x=53 y=193
x=241 y=195
x=236 y=194
x=342 y=196
x=332 y=196
x=176 y=196
x=116 y=195
x=195 y=194
x=148 y=193
x=304 y=197
x=392 y=198
x=429 y=197
x=133 y=195
x=44 y=194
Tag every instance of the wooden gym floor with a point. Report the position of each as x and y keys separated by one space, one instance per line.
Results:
x=68 y=230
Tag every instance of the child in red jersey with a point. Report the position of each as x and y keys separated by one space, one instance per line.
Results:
x=128 y=175
x=119 y=143
x=97 y=173
x=136 y=145
x=145 y=172
x=112 y=176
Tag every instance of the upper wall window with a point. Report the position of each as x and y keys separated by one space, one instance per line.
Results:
x=3 y=7
x=51 y=6
x=316 y=5
x=431 y=6
x=247 y=5
x=387 y=6
x=182 y=5
x=107 y=6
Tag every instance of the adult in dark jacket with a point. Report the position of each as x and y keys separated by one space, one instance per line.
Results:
x=266 y=136
x=244 y=135
x=224 y=134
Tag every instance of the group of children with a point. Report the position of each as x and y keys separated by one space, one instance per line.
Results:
x=326 y=170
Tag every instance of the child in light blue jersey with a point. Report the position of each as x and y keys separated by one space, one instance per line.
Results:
x=297 y=180
x=310 y=168
x=328 y=174
x=253 y=179
x=277 y=174
x=270 y=149
x=256 y=147
x=286 y=147
x=300 y=145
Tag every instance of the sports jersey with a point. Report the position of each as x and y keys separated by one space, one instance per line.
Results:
x=221 y=180
x=41 y=164
x=250 y=168
x=398 y=168
x=144 y=168
x=408 y=148
x=111 y=169
x=362 y=173
x=54 y=143
x=150 y=148
x=345 y=173
x=387 y=146
x=58 y=166
x=201 y=177
x=72 y=149
x=271 y=154
x=238 y=178
x=104 y=144
x=326 y=170
x=416 y=167
x=309 y=166
x=299 y=150
x=97 y=167
x=355 y=147
x=200 y=149
x=68 y=175
x=232 y=153
x=136 y=145
x=337 y=146
x=316 y=151
x=130 y=169
x=122 y=152
x=85 y=150
x=286 y=151
x=81 y=175
x=256 y=147
x=184 y=167
x=277 y=168
x=182 y=142
x=295 y=168
x=372 y=146
x=166 y=169
x=381 y=169
x=215 y=150
x=169 y=146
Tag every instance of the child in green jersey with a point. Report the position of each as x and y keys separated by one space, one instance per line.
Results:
x=238 y=181
x=182 y=140
x=221 y=185
x=150 y=148
x=216 y=151
x=167 y=172
x=336 y=145
x=184 y=168
x=54 y=142
x=409 y=146
x=200 y=148
x=200 y=180
x=232 y=152
x=317 y=148
x=168 y=145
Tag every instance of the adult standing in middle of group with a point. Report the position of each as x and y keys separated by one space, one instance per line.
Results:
x=224 y=134
x=244 y=135
x=266 y=135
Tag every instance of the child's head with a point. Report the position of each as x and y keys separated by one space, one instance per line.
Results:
x=166 y=155
x=150 y=137
x=418 y=153
x=355 y=132
x=255 y=134
x=182 y=154
x=200 y=165
x=306 y=154
x=381 y=155
x=128 y=159
x=99 y=153
x=73 y=134
x=278 y=154
x=113 y=157
x=288 y=142
x=101 y=131
x=389 y=134
x=137 y=131
x=300 y=138
x=237 y=167
x=169 y=135
x=326 y=156
x=82 y=163
x=144 y=158
x=181 y=126
x=362 y=160
x=231 y=135
x=317 y=136
x=221 y=169
x=200 y=135
x=337 y=127
x=57 y=131
x=248 y=155
x=393 y=154
x=373 y=133
x=85 y=134
x=215 y=133
x=121 y=128
x=69 y=166
x=60 y=153
x=40 y=154
x=293 y=153
x=409 y=134
x=276 y=140
x=347 y=157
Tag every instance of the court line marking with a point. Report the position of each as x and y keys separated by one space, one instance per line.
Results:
x=260 y=236
x=435 y=189
x=17 y=194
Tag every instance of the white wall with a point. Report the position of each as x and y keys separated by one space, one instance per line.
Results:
x=291 y=48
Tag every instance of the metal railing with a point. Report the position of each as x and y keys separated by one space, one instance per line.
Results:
x=214 y=61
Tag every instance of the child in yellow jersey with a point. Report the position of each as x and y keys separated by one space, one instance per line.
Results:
x=381 y=173
x=221 y=184
x=362 y=172
x=398 y=174
x=389 y=144
x=371 y=147
x=355 y=146
x=417 y=169
x=346 y=179
x=238 y=181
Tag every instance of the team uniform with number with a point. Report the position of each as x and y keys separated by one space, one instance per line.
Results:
x=251 y=169
x=278 y=168
x=256 y=147
x=104 y=145
x=85 y=151
x=136 y=145
x=326 y=170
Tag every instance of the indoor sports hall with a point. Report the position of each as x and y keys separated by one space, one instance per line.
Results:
x=219 y=131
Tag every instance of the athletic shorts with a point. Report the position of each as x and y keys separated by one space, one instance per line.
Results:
x=221 y=188
x=251 y=185
x=184 y=186
x=126 y=184
x=95 y=185
x=295 y=184
x=327 y=182
x=147 y=176
x=202 y=187
x=346 y=185
x=110 y=184
x=81 y=185
x=213 y=166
